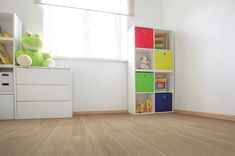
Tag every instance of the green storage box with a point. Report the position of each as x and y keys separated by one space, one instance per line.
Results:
x=163 y=60
x=144 y=82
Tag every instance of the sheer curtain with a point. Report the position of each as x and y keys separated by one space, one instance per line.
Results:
x=121 y=7
x=73 y=32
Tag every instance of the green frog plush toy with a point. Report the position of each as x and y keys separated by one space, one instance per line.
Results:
x=30 y=55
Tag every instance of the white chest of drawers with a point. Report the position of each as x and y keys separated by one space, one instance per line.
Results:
x=43 y=93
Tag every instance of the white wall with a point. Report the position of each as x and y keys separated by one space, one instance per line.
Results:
x=205 y=54
x=30 y=14
x=147 y=13
x=98 y=85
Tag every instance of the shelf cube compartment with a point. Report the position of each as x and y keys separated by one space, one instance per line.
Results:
x=164 y=82
x=163 y=102
x=140 y=53
x=161 y=41
x=144 y=38
x=144 y=82
x=144 y=103
x=160 y=84
x=7 y=23
x=163 y=60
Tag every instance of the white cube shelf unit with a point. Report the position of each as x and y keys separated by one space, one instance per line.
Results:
x=29 y=93
x=153 y=88
x=10 y=24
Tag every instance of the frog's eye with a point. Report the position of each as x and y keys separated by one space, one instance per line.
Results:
x=28 y=34
x=37 y=35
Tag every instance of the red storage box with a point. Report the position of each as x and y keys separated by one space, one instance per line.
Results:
x=144 y=38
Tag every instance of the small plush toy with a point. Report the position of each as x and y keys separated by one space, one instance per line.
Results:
x=149 y=105
x=144 y=63
x=139 y=107
x=30 y=55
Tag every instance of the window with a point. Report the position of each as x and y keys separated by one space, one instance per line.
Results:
x=73 y=32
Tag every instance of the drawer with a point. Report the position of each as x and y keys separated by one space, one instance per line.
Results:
x=144 y=37
x=144 y=82
x=43 y=76
x=6 y=77
x=30 y=110
x=163 y=60
x=43 y=93
x=6 y=107
x=6 y=86
x=163 y=102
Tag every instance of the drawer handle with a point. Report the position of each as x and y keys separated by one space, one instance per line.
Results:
x=5 y=74
x=5 y=84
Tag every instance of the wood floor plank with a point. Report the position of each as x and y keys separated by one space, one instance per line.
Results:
x=118 y=134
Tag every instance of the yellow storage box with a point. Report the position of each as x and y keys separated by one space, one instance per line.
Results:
x=163 y=60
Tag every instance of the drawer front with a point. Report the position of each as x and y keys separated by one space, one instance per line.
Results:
x=30 y=110
x=43 y=93
x=144 y=82
x=144 y=37
x=6 y=107
x=43 y=76
x=163 y=60
x=6 y=77
x=6 y=86
x=163 y=102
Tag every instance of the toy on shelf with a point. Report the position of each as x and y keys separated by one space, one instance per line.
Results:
x=149 y=106
x=4 y=34
x=139 y=107
x=144 y=63
x=161 y=41
x=30 y=55
x=4 y=57
x=161 y=84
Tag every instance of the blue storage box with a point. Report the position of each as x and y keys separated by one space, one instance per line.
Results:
x=163 y=102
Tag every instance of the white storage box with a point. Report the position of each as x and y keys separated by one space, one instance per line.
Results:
x=6 y=107
x=6 y=87
x=6 y=81
x=6 y=77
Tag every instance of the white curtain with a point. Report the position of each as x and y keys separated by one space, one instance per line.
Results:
x=81 y=33
x=123 y=7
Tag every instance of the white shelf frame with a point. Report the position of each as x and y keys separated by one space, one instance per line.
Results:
x=7 y=93
x=132 y=70
x=12 y=24
x=155 y=71
x=7 y=40
x=3 y=66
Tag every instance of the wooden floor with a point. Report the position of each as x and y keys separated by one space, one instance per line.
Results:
x=118 y=134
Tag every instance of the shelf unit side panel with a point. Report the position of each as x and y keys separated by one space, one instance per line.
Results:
x=172 y=43
x=131 y=71
x=17 y=34
x=17 y=37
